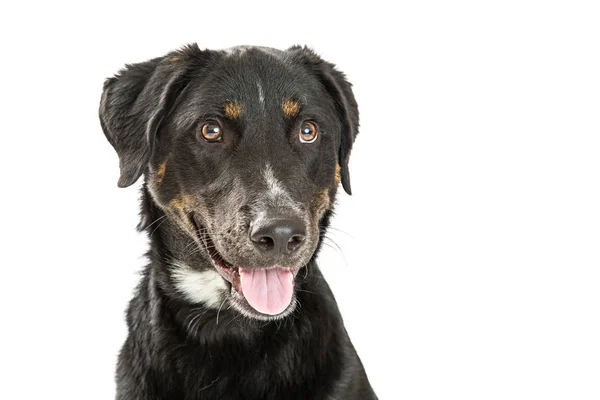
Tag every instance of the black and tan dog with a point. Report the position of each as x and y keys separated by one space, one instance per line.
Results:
x=242 y=152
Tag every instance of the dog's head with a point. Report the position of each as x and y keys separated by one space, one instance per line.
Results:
x=244 y=150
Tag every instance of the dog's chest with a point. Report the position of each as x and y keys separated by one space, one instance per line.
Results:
x=292 y=372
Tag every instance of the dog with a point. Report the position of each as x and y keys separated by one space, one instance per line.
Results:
x=242 y=152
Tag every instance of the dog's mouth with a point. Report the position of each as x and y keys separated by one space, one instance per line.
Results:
x=266 y=291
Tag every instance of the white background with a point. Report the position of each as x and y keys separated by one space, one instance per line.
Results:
x=470 y=249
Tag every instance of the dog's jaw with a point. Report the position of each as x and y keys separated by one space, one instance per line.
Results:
x=209 y=278
x=231 y=276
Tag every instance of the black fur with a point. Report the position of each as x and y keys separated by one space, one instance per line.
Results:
x=178 y=349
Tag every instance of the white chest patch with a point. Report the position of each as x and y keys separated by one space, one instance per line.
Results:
x=207 y=287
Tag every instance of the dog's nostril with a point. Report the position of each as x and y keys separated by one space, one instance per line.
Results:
x=294 y=242
x=266 y=243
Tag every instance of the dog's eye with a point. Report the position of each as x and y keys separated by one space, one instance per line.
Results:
x=308 y=132
x=211 y=131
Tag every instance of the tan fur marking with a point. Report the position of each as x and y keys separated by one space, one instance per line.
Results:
x=290 y=108
x=175 y=59
x=160 y=173
x=233 y=110
x=180 y=208
x=338 y=174
x=182 y=203
x=176 y=203
x=322 y=202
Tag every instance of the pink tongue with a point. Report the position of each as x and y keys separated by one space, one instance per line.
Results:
x=268 y=291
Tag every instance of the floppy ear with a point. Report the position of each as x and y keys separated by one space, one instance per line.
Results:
x=341 y=90
x=134 y=103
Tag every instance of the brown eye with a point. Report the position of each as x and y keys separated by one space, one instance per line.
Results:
x=308 y=132
x=211 y=131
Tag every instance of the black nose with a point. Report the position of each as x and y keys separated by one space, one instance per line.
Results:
x=278 y=236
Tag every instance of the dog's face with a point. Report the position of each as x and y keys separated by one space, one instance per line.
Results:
x=243 y=149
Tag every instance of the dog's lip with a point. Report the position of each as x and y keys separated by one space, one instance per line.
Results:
x=229 y=272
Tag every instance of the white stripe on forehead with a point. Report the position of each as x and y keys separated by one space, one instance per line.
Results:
x=240 y=50
x=237 y=50
x=261 y=95
x=274 y=186
x=276 y=195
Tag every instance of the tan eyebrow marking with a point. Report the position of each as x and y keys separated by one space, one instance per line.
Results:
x=290 y=108
x=233 y=110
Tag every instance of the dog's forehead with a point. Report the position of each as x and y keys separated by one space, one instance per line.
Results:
x=245 y=72
x=246 y=81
